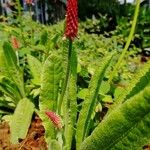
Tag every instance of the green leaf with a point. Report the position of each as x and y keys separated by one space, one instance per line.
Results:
x=35 y=67
x=10 y=54
x=90 y=101
x=126 y=127
x=105 y=87
x=139 y=82
x=3 y=70
x=98 y=107
x=21 y=120
x=50 y=80
x=54 y=145
x=118 y=91
x=107 y=99
x=10 y=89
x=70 y=109
x=82 y=94
x=15 y=73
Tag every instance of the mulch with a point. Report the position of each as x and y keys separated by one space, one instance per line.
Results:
x=34 y=140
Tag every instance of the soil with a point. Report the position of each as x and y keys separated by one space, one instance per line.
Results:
x=34 y=140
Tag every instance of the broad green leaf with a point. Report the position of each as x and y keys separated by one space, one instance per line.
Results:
x=126 y=127
x=50 y=80
x=15 y=73
x=21 y=120
x=90 y=101
x=35 y=67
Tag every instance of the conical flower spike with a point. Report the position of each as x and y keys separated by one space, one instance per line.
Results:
x=71 y=29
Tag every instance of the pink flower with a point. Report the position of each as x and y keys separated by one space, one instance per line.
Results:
x=71 y=19
x=55 y=119
x=15 y=42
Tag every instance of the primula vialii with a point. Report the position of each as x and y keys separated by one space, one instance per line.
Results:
x=55 y=119
x=71 y=19
x=15 y=42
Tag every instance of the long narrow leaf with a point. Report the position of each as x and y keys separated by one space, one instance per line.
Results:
x=71 y=103
x=127 y=127
x=90 y=101
x=50 y=80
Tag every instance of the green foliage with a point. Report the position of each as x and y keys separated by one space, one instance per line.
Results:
x=3 y=71
x=118 y=64
x=35 y=67
x=44 y=37
x=14 y=72
x=11 y=77
x=21 y=120
x=50 y=80
x=42 y=79
x=90 y=101
x=139 y=82
x=10 y=89
x=55 y=145
x=124 y=127
x=70 y=103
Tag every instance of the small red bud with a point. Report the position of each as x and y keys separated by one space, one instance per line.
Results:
x=56 y=120
x=15 y=42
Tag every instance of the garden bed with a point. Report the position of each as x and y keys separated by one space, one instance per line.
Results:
x=34 y=140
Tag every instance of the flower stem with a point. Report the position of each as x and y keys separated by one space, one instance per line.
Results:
x=118 y=64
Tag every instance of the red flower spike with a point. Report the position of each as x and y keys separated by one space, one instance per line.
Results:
x=71 y=19
x=56 y=120
x=15 y=42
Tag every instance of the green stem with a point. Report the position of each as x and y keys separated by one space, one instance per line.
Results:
x=118 y=64
x=66 y=78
